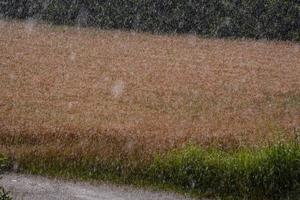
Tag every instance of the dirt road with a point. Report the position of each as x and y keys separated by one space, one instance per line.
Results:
x=36 y=188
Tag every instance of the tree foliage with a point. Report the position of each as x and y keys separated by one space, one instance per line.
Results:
x=270 y=19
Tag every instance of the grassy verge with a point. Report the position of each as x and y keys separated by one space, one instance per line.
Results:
x=3 y=163
x=4 y=195
x=271 y=172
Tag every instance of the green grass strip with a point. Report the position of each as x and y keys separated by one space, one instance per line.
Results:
x=273 y=172
x=4 y=195
x=269 y=173
x=3 y=163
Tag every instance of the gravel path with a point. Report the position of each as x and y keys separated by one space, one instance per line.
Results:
x=28 y=187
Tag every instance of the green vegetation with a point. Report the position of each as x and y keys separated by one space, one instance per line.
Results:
x=4 y=195
x=3 y=163
x=268 y=173
x=271 y=19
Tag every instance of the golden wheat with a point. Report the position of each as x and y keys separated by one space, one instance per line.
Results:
x=84 y=89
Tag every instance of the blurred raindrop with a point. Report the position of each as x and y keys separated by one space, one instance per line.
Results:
x=16 y=167
x=118 y=88
x=70 y=105
x=116 y=34
x=2 y=24
x=46 y=4
x=82 y=17
x=12 y=76
x=193 y=184
x=297 y=48
x=192 y=40
x=29 y=25
x=72 y=56
x=133 y=33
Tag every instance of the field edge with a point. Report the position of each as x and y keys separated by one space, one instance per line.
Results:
x=271 y=172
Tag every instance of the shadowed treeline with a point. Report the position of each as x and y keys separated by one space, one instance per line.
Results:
x=271 y=19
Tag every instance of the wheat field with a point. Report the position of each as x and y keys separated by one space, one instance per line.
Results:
x=83 y=89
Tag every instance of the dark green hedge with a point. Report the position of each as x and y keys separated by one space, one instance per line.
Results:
x=271 y=19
